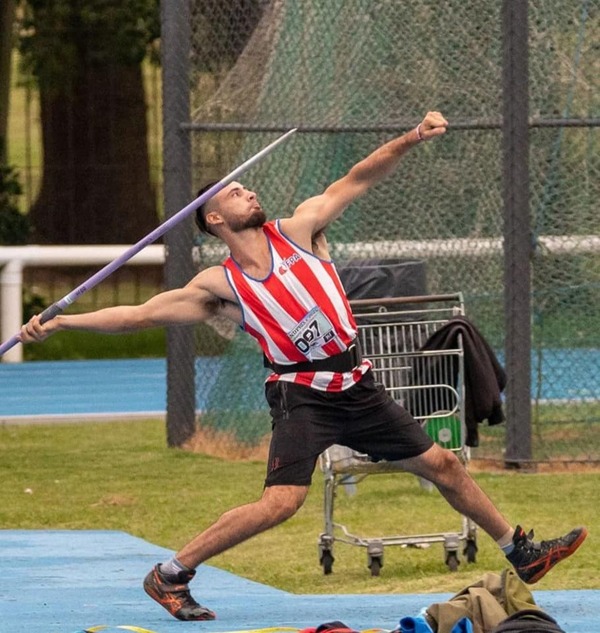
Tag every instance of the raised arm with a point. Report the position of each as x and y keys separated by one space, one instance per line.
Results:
x=316 y=213
x=200 y=299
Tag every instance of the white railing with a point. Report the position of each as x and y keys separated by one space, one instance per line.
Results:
x=215 y=251
x=14 y=259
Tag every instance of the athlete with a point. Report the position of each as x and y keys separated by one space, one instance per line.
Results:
x=280 y=285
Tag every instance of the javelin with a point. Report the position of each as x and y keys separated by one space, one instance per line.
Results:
x=94 y=280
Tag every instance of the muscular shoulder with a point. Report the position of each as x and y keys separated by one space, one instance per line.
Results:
x=302 y=234
x=214 y=281
x=297 y=231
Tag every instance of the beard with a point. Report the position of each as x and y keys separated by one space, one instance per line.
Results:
x=254 y=221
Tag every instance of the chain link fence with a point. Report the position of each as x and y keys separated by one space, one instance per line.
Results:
x=351 y=74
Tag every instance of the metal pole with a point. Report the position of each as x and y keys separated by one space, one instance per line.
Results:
x=177 y=183
x=518 y=245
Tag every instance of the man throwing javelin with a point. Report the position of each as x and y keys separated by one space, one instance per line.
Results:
x=280 y=285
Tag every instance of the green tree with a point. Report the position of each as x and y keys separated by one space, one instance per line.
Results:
x=87 y=57
x=14 y=226
x=7 y=18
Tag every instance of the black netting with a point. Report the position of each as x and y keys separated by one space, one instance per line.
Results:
x=354 y=73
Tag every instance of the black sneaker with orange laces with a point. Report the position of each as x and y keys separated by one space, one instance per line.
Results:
x=175 y=596
x=533 y=561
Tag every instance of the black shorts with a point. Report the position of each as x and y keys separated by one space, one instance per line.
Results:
x=308 y=421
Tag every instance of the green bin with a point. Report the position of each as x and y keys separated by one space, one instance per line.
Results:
x=445 y=431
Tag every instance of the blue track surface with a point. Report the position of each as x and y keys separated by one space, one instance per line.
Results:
x=81 y=387
x=105 y=387
x=65 y=581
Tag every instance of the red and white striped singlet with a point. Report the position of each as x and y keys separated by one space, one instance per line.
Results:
x=298 y=312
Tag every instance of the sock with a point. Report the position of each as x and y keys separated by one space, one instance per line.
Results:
x=505 y=543
x=171 y=568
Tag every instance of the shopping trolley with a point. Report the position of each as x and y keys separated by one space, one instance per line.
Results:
x=430 y=385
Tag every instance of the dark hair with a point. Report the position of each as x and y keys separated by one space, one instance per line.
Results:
x=201 y=210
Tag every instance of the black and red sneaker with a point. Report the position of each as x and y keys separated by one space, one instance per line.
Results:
x=175 y=596
x=533 y=561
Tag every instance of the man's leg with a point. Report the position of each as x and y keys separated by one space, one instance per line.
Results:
x=444 y=469
x=277 y=504
x=171 y=591
x=531 y=560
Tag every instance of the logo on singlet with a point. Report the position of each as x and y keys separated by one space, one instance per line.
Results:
x=288 y=262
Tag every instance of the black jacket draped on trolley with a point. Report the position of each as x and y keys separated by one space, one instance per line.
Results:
x=484 y=377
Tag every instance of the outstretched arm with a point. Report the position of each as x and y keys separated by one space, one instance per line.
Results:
x=192 y=304
x=318 y=212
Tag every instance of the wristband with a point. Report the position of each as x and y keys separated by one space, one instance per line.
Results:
x=419 y=135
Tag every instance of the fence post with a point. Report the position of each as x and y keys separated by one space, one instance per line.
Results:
x=517 y=231
x=179 y=268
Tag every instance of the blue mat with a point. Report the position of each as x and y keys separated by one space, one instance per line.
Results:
x=65 y=581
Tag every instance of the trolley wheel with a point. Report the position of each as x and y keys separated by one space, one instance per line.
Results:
x=452 y=561
x=470 y=551
x=375 y=565
x=327 y=561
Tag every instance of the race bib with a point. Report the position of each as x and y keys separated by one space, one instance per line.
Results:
x=314 y=331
